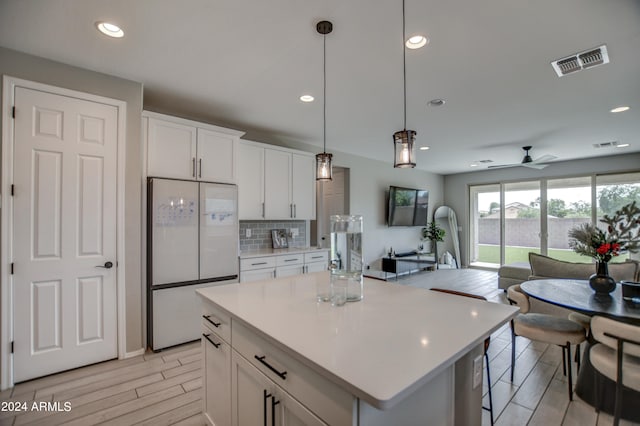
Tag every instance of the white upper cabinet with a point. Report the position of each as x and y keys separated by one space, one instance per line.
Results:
x=303 y=186
x=171 y=149
x=275 y=183
x=250 y=181
x=185 y=149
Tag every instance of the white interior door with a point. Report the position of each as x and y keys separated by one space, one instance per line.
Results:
x=64 y=233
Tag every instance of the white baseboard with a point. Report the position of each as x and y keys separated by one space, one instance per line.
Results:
x=134 y=353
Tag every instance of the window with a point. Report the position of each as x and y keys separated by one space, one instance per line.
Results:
x=509 y=220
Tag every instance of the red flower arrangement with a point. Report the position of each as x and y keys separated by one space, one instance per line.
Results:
x=622 y=235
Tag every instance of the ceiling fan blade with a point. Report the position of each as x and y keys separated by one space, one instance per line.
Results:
x=503 y=166
x=545 y=158
x=534 y=165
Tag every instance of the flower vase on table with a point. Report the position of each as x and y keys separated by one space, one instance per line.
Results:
x=622 y=235
x=601 y=282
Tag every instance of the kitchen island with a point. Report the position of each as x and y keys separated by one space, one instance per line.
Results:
x=402 y=355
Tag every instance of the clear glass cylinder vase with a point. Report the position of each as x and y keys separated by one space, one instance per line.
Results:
x=346 y=256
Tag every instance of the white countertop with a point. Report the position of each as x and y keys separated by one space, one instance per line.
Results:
x=380 y=349
x=274 y=252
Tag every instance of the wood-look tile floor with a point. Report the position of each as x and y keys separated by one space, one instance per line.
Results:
x=164 y=388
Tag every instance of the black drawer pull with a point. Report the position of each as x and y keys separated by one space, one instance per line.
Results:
x=317 y=257
x=282 y=375
x=208 y=318
x=259 y=263
x=206 y=336
x=291 y=260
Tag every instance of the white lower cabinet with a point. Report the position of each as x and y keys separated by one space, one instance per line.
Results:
x=216 y=354
x=283 y=265
x=259 y=401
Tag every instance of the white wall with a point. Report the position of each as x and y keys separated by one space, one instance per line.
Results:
x=456 y=187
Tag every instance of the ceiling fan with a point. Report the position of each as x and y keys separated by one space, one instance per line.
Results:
x=527 y=161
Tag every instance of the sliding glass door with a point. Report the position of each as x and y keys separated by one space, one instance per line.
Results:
x=509 y=220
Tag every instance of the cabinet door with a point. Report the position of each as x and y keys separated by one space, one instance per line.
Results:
x=250 y=403
x=316 y=267
x=171 y=150
x=257 y=275
x=216 y=156
x=303 y=187
x=250 y=182
x=217 y=379
x=288 y=271
x=258 y=401
x=277 y=185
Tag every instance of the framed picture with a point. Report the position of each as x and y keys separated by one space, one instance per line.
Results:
x=279 y=237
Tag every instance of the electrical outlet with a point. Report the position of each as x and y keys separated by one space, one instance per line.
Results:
x=293 y=232
x=477 y=371
x=248 y=233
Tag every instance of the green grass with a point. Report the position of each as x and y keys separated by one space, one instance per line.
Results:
x=491 y=254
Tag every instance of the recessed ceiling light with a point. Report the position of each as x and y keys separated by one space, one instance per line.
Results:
x=620 y=109
x=110 y=29
x=622 y=145
x=307 y=98
x=424 y=148
x=416 y=42
x=473 y=165
x=436 y=102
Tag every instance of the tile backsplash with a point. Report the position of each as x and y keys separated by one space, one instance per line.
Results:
x=261 y=233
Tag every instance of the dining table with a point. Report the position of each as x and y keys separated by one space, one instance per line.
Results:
x=576 y=295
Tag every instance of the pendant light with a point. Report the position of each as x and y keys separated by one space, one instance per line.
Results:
x=404 y=140
x=323 y=160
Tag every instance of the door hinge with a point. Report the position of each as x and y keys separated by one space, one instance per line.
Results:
x=13 y=189
x=12 y=346
x=11 y=268
x=13 y=112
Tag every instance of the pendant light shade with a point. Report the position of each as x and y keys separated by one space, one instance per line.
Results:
x=404 y=140
x=405 y=149
x=324 y=169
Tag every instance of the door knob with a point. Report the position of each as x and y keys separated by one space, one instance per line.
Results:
x=107 y=265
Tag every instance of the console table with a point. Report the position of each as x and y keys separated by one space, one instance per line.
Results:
x=399 y=265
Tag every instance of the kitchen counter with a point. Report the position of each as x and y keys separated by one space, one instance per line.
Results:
x=274 y=252
x=381 y=349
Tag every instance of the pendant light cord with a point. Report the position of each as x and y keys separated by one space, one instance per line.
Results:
x=324 y=93
x=404 y=66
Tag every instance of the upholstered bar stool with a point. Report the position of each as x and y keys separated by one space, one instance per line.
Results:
x=617 y=355
x=487 y=341
x=547 y=329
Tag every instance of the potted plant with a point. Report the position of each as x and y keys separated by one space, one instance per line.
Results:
x=622 y=235
x=435 y=234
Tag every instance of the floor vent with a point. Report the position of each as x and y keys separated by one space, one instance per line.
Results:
x=583 y=60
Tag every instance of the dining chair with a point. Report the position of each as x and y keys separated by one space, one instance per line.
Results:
x=487 y=341
x=616 y=356
x=547 y=329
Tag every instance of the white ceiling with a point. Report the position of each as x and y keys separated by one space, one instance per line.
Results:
x=244 y=64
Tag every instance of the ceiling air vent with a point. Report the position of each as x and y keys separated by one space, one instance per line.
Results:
x=485 y=161
x=583 y=60
x=611 y=144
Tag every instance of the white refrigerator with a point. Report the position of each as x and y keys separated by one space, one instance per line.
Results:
x=192 y=242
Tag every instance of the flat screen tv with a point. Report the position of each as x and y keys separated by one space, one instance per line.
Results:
x=408 y=207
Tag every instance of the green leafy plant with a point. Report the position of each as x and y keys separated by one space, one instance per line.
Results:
x=622 y=234
x=433 y=232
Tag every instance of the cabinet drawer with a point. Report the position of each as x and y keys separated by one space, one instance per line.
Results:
x=217 y=321
x=290 y=259
x=257 y=263
x=328 y=401
x=316 y=256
